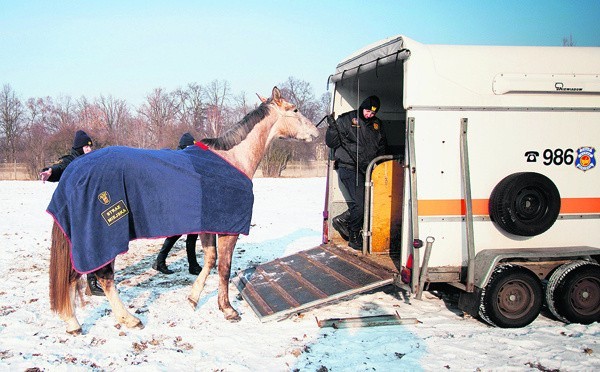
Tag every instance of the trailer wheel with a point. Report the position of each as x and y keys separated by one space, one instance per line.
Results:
x=525 y=204
x=573 y=292
x=512 y=298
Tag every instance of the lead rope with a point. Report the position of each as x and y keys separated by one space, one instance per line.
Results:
x=357 y=125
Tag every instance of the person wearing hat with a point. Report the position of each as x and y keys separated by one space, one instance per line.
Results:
x=160 y=263
x=357 y=138
x=82 y=144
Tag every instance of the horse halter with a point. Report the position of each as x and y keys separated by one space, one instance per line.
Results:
x=284 y=113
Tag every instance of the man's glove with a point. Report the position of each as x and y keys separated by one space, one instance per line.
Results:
x=331 y=120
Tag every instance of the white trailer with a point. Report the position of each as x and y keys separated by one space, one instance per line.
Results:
x=494 y=166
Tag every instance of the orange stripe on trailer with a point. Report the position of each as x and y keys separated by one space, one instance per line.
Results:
x=580 y=205
x=451 y=207
x=457 y=207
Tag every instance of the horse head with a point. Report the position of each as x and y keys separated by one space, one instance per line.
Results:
x=290 y=122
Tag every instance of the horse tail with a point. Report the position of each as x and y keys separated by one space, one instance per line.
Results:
x=61 y=272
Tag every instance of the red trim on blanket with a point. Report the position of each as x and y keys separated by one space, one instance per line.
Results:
x=127 y=250
x=201 y=145
x=71 y=249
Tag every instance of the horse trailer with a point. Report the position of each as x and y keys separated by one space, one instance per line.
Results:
x=492 y=163
x=490 y=185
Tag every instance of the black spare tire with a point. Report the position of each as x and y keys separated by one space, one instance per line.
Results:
x=525 y=204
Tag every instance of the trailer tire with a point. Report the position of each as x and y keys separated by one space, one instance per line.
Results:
x=525 y=204
x=573 y=292
x=512 y=298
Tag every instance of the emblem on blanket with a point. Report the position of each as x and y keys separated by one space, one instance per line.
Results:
x=104 y=197
x=115 y=212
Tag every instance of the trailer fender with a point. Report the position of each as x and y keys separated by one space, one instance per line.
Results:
x=525 y=204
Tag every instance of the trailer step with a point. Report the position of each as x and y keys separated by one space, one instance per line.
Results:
x=317 y=276
x=366 y=321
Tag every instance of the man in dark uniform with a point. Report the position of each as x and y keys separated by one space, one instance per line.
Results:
x=357 y=137
x=82 y=144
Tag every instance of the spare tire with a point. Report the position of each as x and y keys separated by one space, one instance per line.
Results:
x=525 y=204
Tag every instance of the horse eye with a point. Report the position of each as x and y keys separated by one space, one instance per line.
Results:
x=295 y=110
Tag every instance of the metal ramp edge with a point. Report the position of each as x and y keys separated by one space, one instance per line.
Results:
x=310 y=278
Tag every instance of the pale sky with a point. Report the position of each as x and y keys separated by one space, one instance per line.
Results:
x=126 y=49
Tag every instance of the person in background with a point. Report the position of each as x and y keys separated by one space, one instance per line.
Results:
x=357 y=138
x=82 y=144
x=160 y=263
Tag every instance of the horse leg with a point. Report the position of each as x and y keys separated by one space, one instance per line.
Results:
x=225 y=252
x=73 y=326
x=209 y=247
x=63 y=281
x=106 y=280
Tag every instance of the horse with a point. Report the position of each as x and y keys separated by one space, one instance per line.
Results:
x=242 y=147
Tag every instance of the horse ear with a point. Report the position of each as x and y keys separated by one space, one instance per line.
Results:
x=262 y=99
x=276 y=94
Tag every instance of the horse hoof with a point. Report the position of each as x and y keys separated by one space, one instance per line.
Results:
x=138 y=325
x=233 y=318
x=75 y=332
x=194 y=303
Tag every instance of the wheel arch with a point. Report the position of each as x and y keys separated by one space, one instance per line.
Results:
x=487 y=260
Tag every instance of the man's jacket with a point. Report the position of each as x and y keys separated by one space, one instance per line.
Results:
x=351 y=132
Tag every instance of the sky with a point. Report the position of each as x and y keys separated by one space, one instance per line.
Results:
x=126 y=49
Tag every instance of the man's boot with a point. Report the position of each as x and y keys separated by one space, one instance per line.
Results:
x=356 y=240
x=160 y=264
x=93 y=288
x=340 y=224
x=195 y=269
x=190 y=249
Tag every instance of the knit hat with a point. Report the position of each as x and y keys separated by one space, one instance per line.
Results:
x=186 y=140
x=370 y=103
x=81 y=139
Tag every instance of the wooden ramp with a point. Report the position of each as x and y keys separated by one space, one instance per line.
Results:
x=307 y=279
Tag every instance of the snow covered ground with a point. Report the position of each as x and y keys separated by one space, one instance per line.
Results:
x=287 y=218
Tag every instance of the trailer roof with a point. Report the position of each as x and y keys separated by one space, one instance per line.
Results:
x=370 y=57
x=473 y=75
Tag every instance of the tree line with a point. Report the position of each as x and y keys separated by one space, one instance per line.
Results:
x=38 y=130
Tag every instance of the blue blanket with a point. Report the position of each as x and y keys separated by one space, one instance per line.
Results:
x=116 y=194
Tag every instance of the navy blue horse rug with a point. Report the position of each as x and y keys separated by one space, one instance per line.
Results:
x=117 y=194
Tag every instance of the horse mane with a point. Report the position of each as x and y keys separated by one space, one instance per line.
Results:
x=238 y=132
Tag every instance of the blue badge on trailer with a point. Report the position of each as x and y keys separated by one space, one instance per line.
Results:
x=585 y=158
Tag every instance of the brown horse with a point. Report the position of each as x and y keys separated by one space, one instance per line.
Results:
x=243 y=147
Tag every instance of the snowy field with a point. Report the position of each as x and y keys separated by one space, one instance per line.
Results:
x=287 y=218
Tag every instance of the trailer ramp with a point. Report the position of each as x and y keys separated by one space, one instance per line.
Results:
x=308 y=279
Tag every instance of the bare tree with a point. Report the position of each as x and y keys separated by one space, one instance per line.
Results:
x=301 y=94
x=36 y=142
x=115 y=116
x=37 y=138
x=63 y=117
x=137 y=128
x=41 y=130
x=568 y=41
x=276 y=159
x=11 y=122
x=159 y=113
x=217 y=97
x=242 y=107
x=191 y=108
